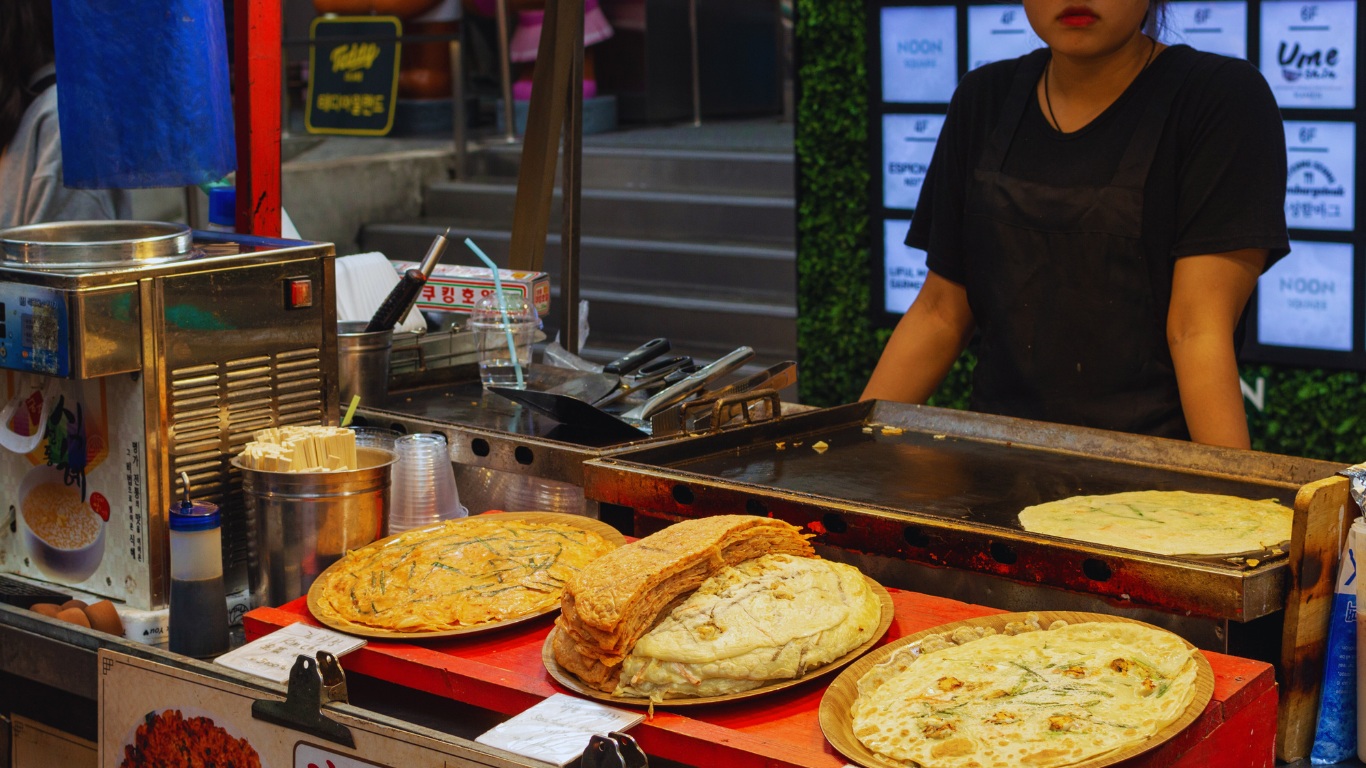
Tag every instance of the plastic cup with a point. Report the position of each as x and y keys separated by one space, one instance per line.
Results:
x=503 y=341
x=375 y=437
x=424 y=489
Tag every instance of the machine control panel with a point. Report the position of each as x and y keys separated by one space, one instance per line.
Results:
x=34 y=332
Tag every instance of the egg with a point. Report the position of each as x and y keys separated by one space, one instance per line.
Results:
x=104 y=617
x=74 y=616
x=46 y=609
x=74 y=604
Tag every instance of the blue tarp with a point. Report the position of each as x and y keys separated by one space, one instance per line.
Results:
x=143 y=94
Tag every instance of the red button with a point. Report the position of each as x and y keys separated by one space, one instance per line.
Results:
x=298 y=293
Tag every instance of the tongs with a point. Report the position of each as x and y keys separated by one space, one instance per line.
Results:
x=693 y=382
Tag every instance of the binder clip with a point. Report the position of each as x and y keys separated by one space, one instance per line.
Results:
x=615 y=750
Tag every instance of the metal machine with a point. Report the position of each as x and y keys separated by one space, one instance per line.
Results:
x=131 y=352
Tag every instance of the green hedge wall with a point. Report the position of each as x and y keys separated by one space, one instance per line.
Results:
x=1311 y=413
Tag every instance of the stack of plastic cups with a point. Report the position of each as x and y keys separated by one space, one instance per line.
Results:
x=424 y=489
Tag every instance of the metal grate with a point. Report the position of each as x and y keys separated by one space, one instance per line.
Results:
x=214 y=410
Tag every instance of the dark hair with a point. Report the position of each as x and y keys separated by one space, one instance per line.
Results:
x=25 y=47
x=1156 y=19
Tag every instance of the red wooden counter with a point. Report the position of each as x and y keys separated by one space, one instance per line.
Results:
x=502 y=671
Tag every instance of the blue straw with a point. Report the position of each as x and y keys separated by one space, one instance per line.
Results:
x=502 y=307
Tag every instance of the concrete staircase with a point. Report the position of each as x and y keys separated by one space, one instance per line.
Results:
x=695 y=244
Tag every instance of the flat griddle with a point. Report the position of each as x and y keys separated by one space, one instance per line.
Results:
x=946 y=489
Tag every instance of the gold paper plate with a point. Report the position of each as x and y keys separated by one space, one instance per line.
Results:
x=607 y=532
x=568 y=680
x=837 y=721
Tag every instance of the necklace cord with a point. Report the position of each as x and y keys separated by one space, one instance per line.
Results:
x=1048 y=67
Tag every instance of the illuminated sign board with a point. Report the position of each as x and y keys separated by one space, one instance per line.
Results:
x=1215 y=27
x=1305 y=300
x=907 y=146
x=997 y=32
x=905 y=269
x=919 y=54
x=1308 y=53
x=1320 y=184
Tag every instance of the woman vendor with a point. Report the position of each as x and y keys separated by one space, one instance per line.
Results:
x=1098 y=211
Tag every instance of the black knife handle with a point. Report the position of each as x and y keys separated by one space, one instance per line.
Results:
x=637 y=357
x=398 y=302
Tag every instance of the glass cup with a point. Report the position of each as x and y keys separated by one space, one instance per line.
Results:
x=503 y=337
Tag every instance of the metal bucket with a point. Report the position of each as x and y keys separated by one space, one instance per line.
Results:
x=363 y=362
x=302 y=522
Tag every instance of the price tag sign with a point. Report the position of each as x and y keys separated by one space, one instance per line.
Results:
x=1320 y=185
x=905 y=269
x=919 y=54
x=558 y=729
x=998 y=32
x=1216 y=27
x=1305 y=300
x=1308 y=52
x=907 y=147
x=353 y=75
x=273 y=656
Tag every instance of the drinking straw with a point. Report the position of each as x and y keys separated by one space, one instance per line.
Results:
x=350 y=411
x=502 y=307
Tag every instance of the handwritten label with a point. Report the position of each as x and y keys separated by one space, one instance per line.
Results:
x=273 y=656
x=1305 y=300
x=904 y=267
x=1320 y=184
x=919 y=54
x=558 y=729
x=1215 y=27
x=998 y=32
x=907 y=146
x=1308 y=53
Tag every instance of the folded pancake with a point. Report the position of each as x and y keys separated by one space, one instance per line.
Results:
x=612 y=602
x=770 y=618
x=1042 y=699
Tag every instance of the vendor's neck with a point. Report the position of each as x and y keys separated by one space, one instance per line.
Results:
x=1091 y=76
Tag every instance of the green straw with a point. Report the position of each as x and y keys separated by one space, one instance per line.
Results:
x=502 y=307
x=350 y=411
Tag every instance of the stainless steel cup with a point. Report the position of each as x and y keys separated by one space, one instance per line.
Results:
x=363 y=362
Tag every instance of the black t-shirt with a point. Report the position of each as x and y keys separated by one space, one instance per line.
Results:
x=1216 y=185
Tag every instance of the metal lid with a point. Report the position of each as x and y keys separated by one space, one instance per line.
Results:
x=71 y=245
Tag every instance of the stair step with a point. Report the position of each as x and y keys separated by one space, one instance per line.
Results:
x=629 y=213
x=734 y=173
x=764 y=270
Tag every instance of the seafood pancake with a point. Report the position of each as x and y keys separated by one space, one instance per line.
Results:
x=1042 y=699
x=462 y=573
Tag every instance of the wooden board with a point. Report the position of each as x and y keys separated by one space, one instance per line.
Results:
x=568 y=680
x=837 y=722
x=612 y=535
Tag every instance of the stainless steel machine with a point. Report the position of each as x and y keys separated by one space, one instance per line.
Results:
x=132 y=352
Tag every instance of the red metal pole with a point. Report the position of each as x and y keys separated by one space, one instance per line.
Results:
x=256 y=95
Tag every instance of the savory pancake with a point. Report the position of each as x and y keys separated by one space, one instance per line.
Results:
x=769 y=618
x=459 y=574
x=1164 y=522
x=1042 y=699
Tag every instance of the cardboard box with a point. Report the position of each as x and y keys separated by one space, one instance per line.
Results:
x=35 y=745
x=455 y=288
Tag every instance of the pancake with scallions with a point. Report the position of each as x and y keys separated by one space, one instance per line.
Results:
x=463 y=573
x=1164 y=522
x=1043 y=699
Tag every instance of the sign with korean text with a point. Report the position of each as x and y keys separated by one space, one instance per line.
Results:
x=1305 y=300
x=919 y=54
x=1308 y=53
x=1214 y=27
x=997 y=32
x=907 y=146
x=1320 y=185
x=905 y=269
x=353 y=75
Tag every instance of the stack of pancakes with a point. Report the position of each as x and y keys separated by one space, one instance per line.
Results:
x=616 y=599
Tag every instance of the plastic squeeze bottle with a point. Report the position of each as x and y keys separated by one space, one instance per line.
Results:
x=199 y=601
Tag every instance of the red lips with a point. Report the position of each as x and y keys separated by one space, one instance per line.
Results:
x=1077 y=16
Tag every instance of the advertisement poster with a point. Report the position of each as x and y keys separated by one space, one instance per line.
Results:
x=1308 y=53
x=997 y=32
x=1215 y=27
x=907 y=147
x=1320 y=185
x=919 y=54
x=1305 y=300
x=905 y=267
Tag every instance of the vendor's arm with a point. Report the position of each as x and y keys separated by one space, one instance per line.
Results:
x=1208 y=296
x=924 y=345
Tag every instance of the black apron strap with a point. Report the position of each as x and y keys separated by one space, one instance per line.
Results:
x=1132 y=172
x=44 y=83
x=1021 y=90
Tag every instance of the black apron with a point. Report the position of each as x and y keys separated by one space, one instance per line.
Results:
x=1070 y=301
